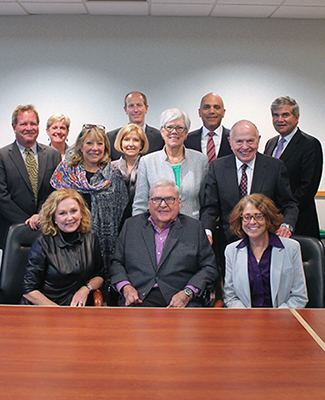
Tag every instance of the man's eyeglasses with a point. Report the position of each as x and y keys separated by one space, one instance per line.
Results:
x=247 y=217
x=91 y=126
x=159 y=200
x=178 y=129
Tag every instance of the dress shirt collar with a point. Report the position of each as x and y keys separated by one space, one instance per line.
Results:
x=166 y=227
x=288 y=137
x=274 y=241
x=249 y=164
x=23 y=148
x=218 y=131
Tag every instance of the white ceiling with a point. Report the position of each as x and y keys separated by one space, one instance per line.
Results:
x=308 y=9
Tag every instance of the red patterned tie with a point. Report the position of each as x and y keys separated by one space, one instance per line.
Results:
x=211 y=148
x=243 y=182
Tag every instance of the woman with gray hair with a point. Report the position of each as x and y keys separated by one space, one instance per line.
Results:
x=187 y=168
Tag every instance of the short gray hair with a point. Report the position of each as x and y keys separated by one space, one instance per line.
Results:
x=283 y=101
x=174 y=113
x=165 y=182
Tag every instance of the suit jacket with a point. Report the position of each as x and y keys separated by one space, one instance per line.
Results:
x=193 y=141
x=16 y=193
x=270 y=178
x=287 y=278
x=303 y=158
x=193 y=177
x=156 y=142
x=187 y=258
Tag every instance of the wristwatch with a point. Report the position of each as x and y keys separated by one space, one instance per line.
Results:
x=189 y=292
x=288 y=227
x=89 y=287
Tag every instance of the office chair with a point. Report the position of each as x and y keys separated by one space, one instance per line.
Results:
x=314 y=266
x=18 y=243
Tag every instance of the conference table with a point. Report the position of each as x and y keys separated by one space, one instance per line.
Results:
x=142 y=353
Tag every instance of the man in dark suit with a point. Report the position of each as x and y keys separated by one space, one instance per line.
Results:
x=136 y=108
x=162 y=258
x=211 y=112
x=23 y=190
x=263 y=174
x=303 y=157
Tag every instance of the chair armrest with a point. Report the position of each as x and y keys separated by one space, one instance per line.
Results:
x=98 y=298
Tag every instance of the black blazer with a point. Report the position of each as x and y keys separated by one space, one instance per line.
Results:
x=270 y=178
x=303 y=158
x=193 y=141
x=156 y=142
x=16 y=193
x=187 y=258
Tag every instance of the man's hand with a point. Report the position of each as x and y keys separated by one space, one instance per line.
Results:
x=131 y=295
x=210 y=239
x=179 y=300
x=33 y=221
x=283 y=232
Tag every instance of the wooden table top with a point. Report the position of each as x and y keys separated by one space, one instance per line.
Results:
x=134 y=353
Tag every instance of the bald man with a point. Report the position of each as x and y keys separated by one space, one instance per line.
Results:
x=212 y=138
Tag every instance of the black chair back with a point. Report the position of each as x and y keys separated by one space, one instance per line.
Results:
x=15 y=256
x=314 y=265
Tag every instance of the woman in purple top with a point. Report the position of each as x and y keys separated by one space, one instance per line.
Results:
x=262 y=269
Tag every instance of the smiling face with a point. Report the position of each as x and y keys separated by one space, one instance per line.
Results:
x=68 y=215
x=58 y=132
x=131 y=144
x=163 y=213
x=284 y=121
x=26 y=129
x=244 y=141
x=92 y=150
x=211 y=111
x=135 y=108
x=171 y=137
x=254 y=229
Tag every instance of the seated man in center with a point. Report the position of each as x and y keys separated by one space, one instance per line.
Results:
x=162 y=258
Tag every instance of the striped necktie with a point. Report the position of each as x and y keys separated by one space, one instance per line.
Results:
x=32 y=169
x=211 y=148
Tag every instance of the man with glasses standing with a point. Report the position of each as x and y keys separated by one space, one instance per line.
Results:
x=26 y=168
x=136 y=108
x=244 y=172
x=162 y=258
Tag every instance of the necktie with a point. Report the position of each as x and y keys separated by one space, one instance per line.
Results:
x=211 y=149
x=32 y=169
x=243 y=182
x=279 y=148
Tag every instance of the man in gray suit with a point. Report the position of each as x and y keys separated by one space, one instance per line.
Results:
x=136 y=108
x=263 y=174
x=162 y=258
x=211 y=112
x=26 y=168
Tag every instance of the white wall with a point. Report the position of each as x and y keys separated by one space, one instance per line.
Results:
x=83 y=66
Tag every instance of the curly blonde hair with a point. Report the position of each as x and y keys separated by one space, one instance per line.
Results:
x=265 y=205
x=47 y=213
x=99 y=133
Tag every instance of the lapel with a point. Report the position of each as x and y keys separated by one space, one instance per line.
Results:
x=148 y=234
x=172 y=239
x=42 y=162
x=271 y=145
x=17 y=159
x=277 y=259
x=229 y=175
x=224 y=144
x=259 y=174
x=291 y=146
x=241 y=279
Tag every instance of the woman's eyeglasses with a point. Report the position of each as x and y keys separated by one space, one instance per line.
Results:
x=91 y=126
x=247 y=217
x=178 y=129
